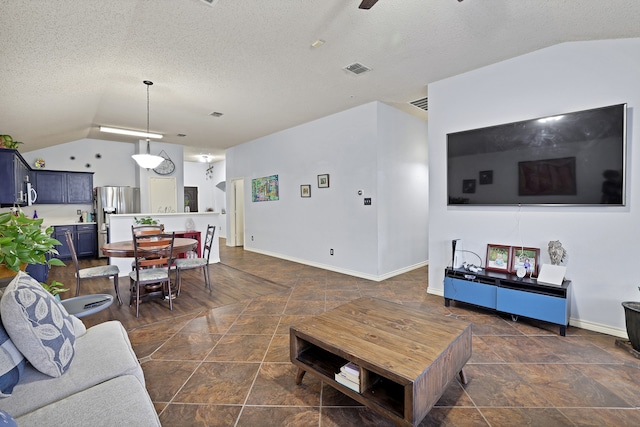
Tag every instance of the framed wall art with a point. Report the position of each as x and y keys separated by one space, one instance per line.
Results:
x=529 y=258
x=323 y=180
x=265 y=189
x=498 y=258
x=305 y=190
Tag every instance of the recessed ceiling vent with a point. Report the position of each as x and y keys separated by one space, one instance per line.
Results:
x=210 y=2
x=422 y=104
x=357 y=68
x=216 y=114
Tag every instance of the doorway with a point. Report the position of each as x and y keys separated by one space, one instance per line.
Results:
x=236 y=213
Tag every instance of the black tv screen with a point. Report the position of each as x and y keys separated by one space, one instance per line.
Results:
x=574 y=159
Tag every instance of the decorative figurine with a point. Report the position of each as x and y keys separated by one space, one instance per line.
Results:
x=556 y=252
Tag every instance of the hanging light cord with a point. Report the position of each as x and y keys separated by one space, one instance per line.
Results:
x=148 y=83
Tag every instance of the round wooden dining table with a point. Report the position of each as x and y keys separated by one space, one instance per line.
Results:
x=124 y=249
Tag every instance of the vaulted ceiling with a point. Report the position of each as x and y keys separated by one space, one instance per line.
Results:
x=70 y=66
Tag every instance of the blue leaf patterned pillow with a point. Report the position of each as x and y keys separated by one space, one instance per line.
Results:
x=38 y=325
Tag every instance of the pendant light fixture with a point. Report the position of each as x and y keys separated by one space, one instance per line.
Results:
x=148 y=160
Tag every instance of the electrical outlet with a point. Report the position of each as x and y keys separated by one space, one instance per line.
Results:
x=367 y=201
x=78 y=212
x=330 y=251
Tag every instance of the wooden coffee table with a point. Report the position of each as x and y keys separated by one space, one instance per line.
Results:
x=407 y=357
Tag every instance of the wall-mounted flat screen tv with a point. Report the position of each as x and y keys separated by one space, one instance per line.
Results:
x=572 y=159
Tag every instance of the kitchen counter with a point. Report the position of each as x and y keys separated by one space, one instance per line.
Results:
x=60 y=222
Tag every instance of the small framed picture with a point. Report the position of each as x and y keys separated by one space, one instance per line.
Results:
x=305 y=190
x=323 y=181
x=529 y=258
x=498 y=258
x=469 y=186
x=486 y=177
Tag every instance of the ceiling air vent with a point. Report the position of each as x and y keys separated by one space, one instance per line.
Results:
x=357 y=68
x=216 y=114
x=422 y=104
x=210 y=2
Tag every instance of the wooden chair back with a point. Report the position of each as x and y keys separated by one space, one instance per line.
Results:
x=153 y=250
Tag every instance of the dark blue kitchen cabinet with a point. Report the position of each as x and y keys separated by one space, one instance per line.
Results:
x=51 y=187
x=14 y=175
x=85 y=240
x=61 y=187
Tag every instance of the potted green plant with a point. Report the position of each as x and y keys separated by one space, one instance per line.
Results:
x=54 y=288
x=145 y=220
x=7 y=142
x=23 y=241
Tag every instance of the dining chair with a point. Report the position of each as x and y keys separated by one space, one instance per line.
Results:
x=92 y=272
x=203 y=263
x=153 y=255
x=142 y=230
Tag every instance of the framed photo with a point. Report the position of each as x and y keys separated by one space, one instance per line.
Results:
x=323 y=180
x=305 y=190
x=529 y=258
x=498 y=258
x=486 y=177
x=547 y=177
x=469 y=186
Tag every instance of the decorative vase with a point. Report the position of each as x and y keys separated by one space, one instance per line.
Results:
x=632 y=320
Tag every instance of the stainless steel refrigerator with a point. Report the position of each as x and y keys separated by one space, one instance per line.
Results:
x=113 y=200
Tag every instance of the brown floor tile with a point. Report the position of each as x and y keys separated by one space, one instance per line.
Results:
x=240 y=348
x=254 y=325
x=189 y=415
x=278 y=349
x=165 y=378
x=305 y=308
x=287 y=416
x=542 y=417
x=458 y=417
x=501 y=385
x=566 y=386
x=597 y=417
x=275 y=385
x=520 y=349
x=187 y=346
x=224 y=383
x=211 y=323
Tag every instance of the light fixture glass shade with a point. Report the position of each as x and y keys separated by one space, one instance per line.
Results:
x=148 y=161
x=130 y=132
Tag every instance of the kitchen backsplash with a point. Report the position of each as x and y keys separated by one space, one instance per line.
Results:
x=55 y=214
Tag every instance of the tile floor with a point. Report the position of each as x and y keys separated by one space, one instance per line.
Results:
x=227 y=364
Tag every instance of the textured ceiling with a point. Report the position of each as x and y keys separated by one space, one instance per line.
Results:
x=69 y=66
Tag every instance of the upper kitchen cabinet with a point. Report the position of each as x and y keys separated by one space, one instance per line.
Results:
x=59 y=187
x=14 y=176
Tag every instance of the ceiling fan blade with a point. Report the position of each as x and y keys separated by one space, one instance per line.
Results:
x=367 y=4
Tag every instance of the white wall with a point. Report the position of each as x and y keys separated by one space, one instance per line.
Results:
x=209 y=196
x=602 y=241
x=373 y=148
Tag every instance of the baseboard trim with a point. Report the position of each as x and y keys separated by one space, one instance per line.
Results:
x=372 y=277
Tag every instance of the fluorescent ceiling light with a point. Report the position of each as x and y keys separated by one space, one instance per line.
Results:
x=130 y=132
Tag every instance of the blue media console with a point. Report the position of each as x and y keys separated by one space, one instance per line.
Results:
x=507 y=293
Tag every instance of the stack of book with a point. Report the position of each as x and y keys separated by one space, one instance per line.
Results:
x=349 y=376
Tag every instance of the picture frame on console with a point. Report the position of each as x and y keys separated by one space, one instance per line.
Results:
x=498 y=258
x=529 y=258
